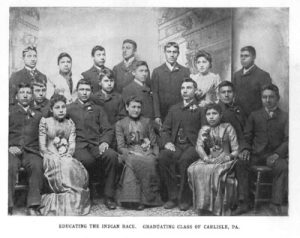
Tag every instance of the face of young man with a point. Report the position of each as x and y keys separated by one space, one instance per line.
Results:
x=99 y=58
x=141 y=73
x=39 y=93
x=24 y=96
x=226 y=94
x=84 y=92
x=65 y=65
x=128 y=50
x=269 y=99
x=171 y=54
x=107 y=84
x=30 y=59
x=247 y=59
x=134 y=109
x=187 y=91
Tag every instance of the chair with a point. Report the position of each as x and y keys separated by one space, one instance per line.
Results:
x=261 y=185
x=21 y=181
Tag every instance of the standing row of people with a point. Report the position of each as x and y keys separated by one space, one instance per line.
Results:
x=123 y=115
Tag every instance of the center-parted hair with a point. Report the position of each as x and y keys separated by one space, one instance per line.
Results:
x=63 y=54
x=27 y=49
x=130 y=42
x=57 y=98
x=95 y=48
x=170 y=44
x=204 y=54
x=189 y=80
x=214 y=106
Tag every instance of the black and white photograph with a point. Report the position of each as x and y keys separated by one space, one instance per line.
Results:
x=148 y=111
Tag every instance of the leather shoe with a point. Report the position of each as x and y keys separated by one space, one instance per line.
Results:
x=33 y=212
x=110 y=203
x=184 y=206
x=242 y=208
x=10 y=211
x=170 y=204
x=275 y=209
x=140 y=207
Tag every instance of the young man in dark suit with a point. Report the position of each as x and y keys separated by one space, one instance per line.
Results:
x=94 y=134
x=166 y=81
x=139 y=88
x=249 y=80
x=266 y=136
x=26 y=75
x=24 y=149
x=40 y=102
x=99 y=58
x=179 y=134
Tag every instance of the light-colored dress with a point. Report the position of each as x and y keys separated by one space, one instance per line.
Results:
x=208 y=85
x=139 y=181
x=208 y=180
x=67 y=178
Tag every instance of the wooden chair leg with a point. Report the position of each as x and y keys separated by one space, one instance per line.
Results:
x=258 y=178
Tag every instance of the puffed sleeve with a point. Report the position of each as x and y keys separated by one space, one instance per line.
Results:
x=72 y=138
x=43 y=136
x=120 y=136
x=233 y=140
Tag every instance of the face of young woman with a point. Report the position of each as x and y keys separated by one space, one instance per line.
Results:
x=59 y=110
x=134 y=109
x=213 y=117
x=202 y=65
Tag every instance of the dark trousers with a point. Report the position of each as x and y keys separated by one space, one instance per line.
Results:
x=109 y=160
x=181 y=159
x=33 y=164
x=279 y=174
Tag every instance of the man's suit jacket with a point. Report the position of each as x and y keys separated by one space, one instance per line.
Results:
x=43 y=107
x=93 y=76
x=267 y=135
x=22 y=76
x=24 y=128
x=248 y=87
x=144 y=93
x=189 y=117
x=113 y=105
x=92 y=126
x=123 y=75
x=235 y=115
x=166 y=87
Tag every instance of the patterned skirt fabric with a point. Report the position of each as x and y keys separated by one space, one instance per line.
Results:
x=68 y=180
x=208 y=183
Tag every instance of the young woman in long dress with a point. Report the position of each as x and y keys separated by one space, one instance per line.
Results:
x=67 y=178
x=217 y=147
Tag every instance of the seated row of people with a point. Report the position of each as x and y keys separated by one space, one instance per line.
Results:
x=212 y=151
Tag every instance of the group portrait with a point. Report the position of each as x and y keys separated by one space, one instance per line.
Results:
x=148 y=111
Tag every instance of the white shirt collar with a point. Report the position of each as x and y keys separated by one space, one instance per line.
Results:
x=170 y=66
x=139 y=82
x=129 y=61
x=25 y=108
x=247 y=70
x=29 y=69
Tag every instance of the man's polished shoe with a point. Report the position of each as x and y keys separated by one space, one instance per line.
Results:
x=140 y=207
x=242 y=208
x=110 y=203
x=184 y=206
x=10 y=211
x=170 y=204
x=32 y=211
x=275 y=209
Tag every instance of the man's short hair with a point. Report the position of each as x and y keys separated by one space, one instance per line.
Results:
x=85 y=82
x=130 y=42
x=106 y=72
x=170 y=44
x=189 y=80
x=39 y=82
x=24 y=85
x=250 y=49
x=204 y=54
x=271 y=87
x=27 y=49
x=63 y=54
x=95 y=48
x=140 y=63
x=226 y=84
